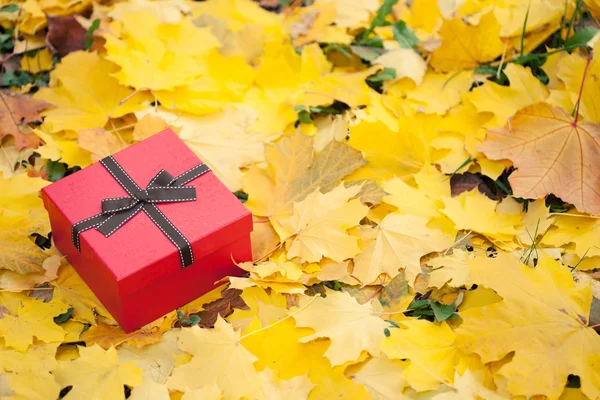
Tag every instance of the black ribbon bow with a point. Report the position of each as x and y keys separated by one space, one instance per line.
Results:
x=163 y=188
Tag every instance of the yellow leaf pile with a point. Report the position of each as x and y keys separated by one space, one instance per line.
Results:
x=424 y=179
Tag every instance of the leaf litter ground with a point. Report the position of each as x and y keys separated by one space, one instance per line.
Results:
x=423 y=176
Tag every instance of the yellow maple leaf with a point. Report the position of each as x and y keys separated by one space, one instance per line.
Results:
x=552 y=153
x=400 y=243
x=97 y=374
x=40 y=61
x=165 y=56
x=393 y=153
x=221 y=140
x=85 y=94
x=29 y=374
x=297 y=388
x=72 y=290
x=543 y=319
x=206 y=392
x=476 y=212
x=219 y=358
x=32 y=319
x=580 y=230
x=278 y=347
x=525 y=89
x=431 y=361
x=436 y=95
x=464 y=46
x=319 y=224
x=451 y=269
x=381 y=377
x=407 y=63
x=351 y=327
x=296 y=174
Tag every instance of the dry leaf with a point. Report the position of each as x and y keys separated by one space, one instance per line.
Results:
x=553 y=153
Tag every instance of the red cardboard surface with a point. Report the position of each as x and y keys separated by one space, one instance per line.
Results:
x=139 y=255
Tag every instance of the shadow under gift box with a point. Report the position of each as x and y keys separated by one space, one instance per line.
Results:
x=136 y=272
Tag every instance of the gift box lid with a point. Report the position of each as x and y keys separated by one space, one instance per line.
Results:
x=138 y=253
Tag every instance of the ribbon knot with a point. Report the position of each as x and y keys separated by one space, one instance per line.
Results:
x=163 y=188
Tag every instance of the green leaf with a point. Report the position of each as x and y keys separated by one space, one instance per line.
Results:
x=16 y=78
x=59 y=319
x=385 y=74
x=89 y=38
x=382 y=13
x=404 y=35
x=442 y=312
x=242 y=196
x=386 y=332
x=304 y=117
x=10 y=8
x=367 y=53
x=375 y=41
x=581 y=37
x=56 y=170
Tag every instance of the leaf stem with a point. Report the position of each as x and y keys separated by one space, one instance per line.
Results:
x=587 y=65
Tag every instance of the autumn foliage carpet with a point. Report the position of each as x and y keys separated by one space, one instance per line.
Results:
x=424 y=177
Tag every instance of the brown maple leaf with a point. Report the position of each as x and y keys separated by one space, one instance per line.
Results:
x=65 y=34
x=16 y=111
x=230 y=299
x=553 y=153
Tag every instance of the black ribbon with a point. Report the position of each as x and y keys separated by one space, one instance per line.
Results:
x=163 y=188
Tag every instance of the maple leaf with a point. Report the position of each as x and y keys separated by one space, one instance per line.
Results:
x=475 y=211
x=401 y=242
x=85 y=95
x=32 y=319
x=319 y=224
x=65 y=34
x=72 y=290
x=221 y=140
x=16 y=111
x=350 y=326
x=465 y=46
x=297 y=388
x=381 y=377
x=97 y=374
x=167 y=55
x=431 y=362
x=29 y=374
x=553 y=153
x=407 y=63
x=219 y=358
x=296 y=174
x=278 y=347
x=543 y=319
x=524 y=89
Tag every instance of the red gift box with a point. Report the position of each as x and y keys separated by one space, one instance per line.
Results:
x=140 y=272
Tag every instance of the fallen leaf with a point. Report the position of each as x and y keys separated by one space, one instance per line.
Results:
x=223 y=307
x=381 y=377
x=97 y=374
x=319 y=224
x=65 y=34
x=85 y=94
x=464 y=46
x=219 y=358
x=431 y=362
x=350 y=326
x=100 y=143
x=16 y=111
x=543 y=317
x=406 y=62
x=400 y=243
x=33 y=319
x=553 y=153
x=468 y=181
x=296 y=174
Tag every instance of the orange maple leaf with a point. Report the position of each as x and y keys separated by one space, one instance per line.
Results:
x=553 y=153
